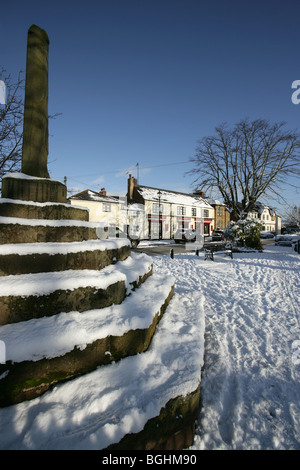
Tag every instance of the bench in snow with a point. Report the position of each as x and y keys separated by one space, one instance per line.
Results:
x=209 y=254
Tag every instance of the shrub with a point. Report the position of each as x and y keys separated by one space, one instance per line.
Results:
x=245 y=233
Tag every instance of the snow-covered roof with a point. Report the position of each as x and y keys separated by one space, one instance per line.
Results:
x=260 y=207
x=89 y=195
x=215 y=202
x=133 y=207
x=164 y=195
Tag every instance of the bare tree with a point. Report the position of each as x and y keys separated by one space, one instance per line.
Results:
x=293 y=216
x=11 y=123
x=244 y=163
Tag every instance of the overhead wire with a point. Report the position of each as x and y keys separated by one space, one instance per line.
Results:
x=73 y=178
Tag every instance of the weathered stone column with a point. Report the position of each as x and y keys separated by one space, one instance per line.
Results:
x=35 y=131
x=34 y=183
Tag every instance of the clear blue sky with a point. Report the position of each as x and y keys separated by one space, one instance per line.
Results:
x=140 y=81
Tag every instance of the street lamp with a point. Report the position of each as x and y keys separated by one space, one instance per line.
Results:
x=159 y=217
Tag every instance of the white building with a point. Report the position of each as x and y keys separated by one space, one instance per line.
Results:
x=267 y=216
x=102 y=208
x=166 y=211
x=112 y=211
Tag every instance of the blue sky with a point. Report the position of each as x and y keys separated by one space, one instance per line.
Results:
x=140 y=81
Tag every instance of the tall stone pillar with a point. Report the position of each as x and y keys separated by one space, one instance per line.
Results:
x=34 y=183
x=35 y=130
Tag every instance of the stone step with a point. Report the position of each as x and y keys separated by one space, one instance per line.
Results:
x=20 y=230
x=45 y=351
x=27 y=296
x=30 y=188
x=147 y=401
x=37 y=210
x=24 y=258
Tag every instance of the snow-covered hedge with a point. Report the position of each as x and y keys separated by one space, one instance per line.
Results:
x=245 y=233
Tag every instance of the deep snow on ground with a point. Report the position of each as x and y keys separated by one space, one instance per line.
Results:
x=250 y=390
x=250 y=381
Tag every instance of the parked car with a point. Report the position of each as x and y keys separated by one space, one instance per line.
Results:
x=218 y=235
x=185 y=235
x=286 y=240
x=116 y=232
x=265 y=235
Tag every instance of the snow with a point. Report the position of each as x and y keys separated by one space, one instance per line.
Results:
x=45 y=283
x=24 y=176
x=89 y=195
x=250 y=382
x=154 y=194
x=244 y=311
x=56 y=335
x=4 y=200
x=50 y=223
x=62 y=247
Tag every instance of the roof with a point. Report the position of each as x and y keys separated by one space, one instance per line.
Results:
x=164 y=195
x=215 y=202
x=260 y=207
x=89 y=195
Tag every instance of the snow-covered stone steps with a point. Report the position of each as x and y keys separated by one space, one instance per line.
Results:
x=73 y=304
x=145 y=401
x=41 y=210
x=41 y=352
x=21 y=230
x=28 y=296
x=24 y=258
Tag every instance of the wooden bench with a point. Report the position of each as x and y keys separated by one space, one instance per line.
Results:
x=209 y=253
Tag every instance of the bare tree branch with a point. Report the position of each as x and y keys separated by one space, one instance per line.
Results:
x=11 y=123
x=246 y=162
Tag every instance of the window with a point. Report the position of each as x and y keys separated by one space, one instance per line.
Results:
x=220 y=211
x=156 y=209
x=194 y=211
x=106 y=207
x=205 y=213
x=181 y=210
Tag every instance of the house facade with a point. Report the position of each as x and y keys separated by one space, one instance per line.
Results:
x=267 y=216
x=102 y=208
x=112 y=211
x=167 y=211
x=221 y=214
x=154 y=213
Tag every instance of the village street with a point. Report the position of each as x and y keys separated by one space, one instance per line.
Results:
x=163 y=247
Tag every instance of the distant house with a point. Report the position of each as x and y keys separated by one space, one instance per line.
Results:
x=113 y=211
x=166 y=211
x=267 y=216
x=221 y=214
x=102 y=208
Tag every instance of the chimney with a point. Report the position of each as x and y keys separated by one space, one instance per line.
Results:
x=200 y=193
x=132 y=183
x=102 y=192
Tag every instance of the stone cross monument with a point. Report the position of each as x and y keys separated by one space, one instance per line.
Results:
x=34 y=184
x=35 y=130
